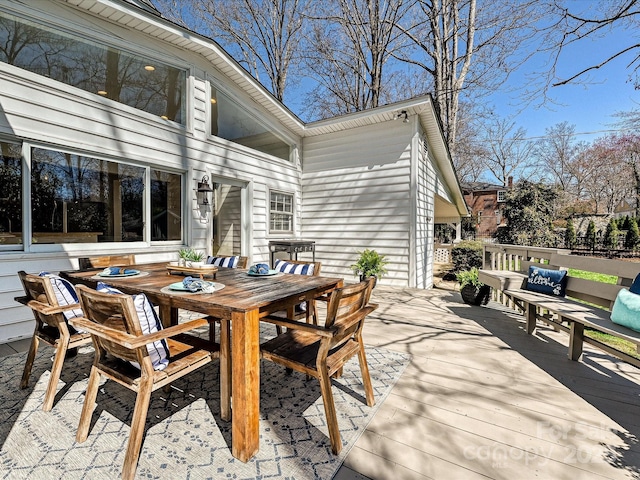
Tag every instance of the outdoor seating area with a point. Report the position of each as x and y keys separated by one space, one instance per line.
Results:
x=474 y=396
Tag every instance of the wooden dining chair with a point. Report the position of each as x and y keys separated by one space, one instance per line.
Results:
x=51 y=328
x=228 y=261
x=86 y=263
x=117 y=332
x=321 y=352
x=300 y=267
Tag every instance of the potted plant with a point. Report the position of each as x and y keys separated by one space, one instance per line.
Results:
x=195 y=259
x=183 y=256
x=473 y=291
x=370 y=264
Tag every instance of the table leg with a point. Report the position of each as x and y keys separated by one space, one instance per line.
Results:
x=245 y=368
x=168 y=315
x=225 y=370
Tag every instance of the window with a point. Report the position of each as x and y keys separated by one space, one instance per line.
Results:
x=10 y=193
x=139 y=82
x=80 y=199
x=231 y=122
x=502 y=195
x=281 y=213
x=166 y=206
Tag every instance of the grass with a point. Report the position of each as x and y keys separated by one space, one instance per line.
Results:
x=596 y=277
x=614 y=342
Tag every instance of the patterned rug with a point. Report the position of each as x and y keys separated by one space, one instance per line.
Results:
x=185 y=436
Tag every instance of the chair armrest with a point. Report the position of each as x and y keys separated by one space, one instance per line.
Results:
x=44 y=308
x=306 y=327
x=356 y=317
x=132 y=341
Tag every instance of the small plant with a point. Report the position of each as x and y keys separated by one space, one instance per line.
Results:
x=190 y=255
x=473 y=291
x=469 y=277
x=196 y=256
x=370 y=264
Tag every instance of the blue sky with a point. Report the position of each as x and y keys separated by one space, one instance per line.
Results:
x=588 y=105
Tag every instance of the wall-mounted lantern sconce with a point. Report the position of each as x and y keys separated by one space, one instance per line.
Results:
x=203 y=191
x=404 y=115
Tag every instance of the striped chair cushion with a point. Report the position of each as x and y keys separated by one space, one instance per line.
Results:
x=65 y=295
x=298 y=268
x=228 y=262
x=149 y=323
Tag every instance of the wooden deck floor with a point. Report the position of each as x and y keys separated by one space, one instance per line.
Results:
x=482 y=399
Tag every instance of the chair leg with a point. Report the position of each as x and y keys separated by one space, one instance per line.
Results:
x=33 y=348
x=225 y=370
x=56 y=370
x=366 y=378
x=89 y=403
x=330 y=411
x=137 y=429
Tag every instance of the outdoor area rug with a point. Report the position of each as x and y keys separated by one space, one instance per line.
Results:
x=185 y=436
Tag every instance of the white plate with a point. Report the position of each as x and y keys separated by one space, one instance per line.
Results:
x=130 y=274
x=179 y=287
x=271 y=272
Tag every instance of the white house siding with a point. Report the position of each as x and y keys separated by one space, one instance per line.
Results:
x=356 y=195
x=38 y=110
x=424 y=217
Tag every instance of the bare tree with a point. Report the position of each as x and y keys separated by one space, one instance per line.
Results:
x=263 y=35
x=575 y=23
x=468 y=48
x=471 y=149
x=613 y=178
x=351 y=43
x=508 y=152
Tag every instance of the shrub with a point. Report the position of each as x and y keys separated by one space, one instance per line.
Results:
x=466 y=255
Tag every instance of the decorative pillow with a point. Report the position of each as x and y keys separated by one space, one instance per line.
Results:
x=228 y=262
x=551 y=282
x=149 y=323
x=298 y=268
x=65 y=295
x=635 y=286
x=626 y=310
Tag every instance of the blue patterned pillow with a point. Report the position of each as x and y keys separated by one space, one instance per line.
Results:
x=635 y=287
x=149 y=323
x=65 y=295
x=626 y=310
x=551 y=282
x=298 y=268
x=228 y=262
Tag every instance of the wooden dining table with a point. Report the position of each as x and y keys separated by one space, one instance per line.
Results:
x=239 y=306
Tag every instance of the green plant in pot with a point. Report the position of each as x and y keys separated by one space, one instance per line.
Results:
x=183 y=256
x=370 y=264
x=195 y=258
x=473 y=291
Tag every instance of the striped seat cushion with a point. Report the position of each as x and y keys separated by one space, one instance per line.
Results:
x=228 y=262
x=65 y=295
x=298 y=268
x=149 y=323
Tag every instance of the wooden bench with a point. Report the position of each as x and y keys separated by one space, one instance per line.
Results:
x=568 y=313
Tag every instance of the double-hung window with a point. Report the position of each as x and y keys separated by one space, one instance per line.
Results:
x=280 y=212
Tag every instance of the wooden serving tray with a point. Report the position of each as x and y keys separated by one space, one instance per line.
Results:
x=199 y=271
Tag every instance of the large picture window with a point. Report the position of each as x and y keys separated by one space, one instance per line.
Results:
x=10 y=194
x=281 y=212
x=139 y=82
x=80 y=199
x=232 y=122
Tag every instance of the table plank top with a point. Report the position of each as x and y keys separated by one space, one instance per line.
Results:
x=242 y=292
